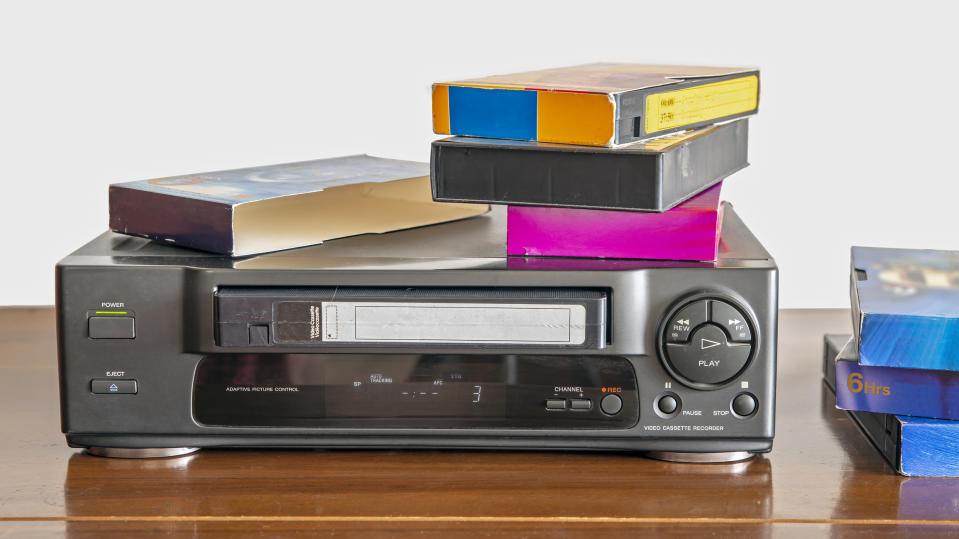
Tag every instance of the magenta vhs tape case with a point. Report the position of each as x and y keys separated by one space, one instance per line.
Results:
x=689 y=231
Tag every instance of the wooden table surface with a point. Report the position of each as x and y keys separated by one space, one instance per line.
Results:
x=822 y=477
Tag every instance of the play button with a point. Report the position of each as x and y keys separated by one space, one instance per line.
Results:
x=714 y=361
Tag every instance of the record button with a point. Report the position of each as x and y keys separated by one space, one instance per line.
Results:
x=731 y=320
x=611 y=404
x=685 y=321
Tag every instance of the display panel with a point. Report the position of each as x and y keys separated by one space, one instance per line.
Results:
x=411 y=391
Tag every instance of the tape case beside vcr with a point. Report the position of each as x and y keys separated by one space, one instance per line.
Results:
x=430 y=337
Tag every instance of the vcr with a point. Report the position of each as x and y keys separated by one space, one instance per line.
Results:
x=426 y=338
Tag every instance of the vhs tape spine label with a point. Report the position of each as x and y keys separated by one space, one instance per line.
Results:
x=668 y=110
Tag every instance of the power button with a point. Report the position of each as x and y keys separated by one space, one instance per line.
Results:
x=111 y=327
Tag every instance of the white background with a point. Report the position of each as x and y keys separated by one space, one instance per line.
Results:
x=855 y=142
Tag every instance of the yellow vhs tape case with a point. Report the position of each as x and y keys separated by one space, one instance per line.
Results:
x=601 y=104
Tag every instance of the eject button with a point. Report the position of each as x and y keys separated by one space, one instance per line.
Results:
x=118 y=387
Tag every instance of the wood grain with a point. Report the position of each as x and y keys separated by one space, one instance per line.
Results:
x=822 y=477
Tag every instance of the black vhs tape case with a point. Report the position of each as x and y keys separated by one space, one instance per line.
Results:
x=417 y=338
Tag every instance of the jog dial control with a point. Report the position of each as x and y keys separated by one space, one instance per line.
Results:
x=707 y=342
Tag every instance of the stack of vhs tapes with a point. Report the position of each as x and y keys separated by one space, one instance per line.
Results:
x=899 y=374
x=599 y=160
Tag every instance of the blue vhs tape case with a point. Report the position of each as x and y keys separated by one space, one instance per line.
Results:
x=890 y=390
x=905 y=306
x=914 y=446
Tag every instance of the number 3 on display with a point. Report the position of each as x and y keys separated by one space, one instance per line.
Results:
x=477 y=390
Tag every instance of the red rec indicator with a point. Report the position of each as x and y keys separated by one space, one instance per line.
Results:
x=612 y=390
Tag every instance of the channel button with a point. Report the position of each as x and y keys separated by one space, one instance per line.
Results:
x=555 y=404
x=580 y=404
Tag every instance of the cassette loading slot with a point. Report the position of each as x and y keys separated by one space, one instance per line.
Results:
x=411 y=317
x=348 y=321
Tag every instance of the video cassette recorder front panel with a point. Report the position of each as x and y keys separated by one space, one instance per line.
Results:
x=427 y=351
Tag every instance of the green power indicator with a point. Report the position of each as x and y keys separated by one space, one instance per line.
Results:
x=111 y=312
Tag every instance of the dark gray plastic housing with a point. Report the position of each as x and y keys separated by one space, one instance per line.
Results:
x=173 y=294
